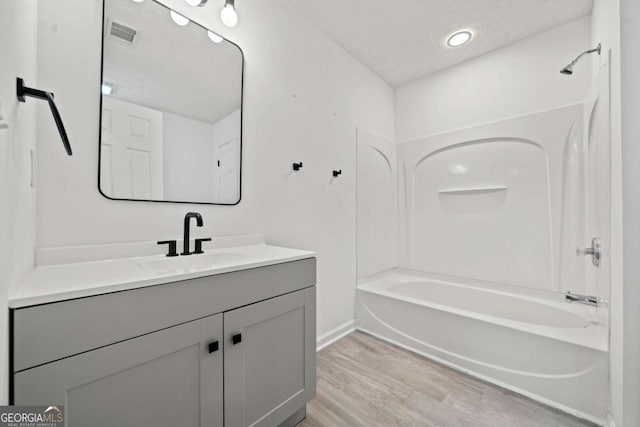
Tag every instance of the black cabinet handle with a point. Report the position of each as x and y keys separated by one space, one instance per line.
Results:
x=173 y=247
x=213 y=347
x=199 y=245
x=236 y=339
x=22 y=91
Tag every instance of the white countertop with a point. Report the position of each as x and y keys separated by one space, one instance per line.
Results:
x=58 y=282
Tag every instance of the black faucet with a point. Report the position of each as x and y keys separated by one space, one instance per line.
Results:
x=187 y=226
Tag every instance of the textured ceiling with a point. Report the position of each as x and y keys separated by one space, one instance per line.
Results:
x=171 y=68
x=402 y=40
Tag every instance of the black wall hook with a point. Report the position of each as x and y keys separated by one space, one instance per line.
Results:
x=336 y=173
x=297 y=166
x=22 y=91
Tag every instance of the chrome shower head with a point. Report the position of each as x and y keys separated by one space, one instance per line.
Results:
x=568 y=70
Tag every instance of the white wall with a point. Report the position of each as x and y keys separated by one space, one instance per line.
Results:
x=187 y=149
x=304 y=97
x=18 y=25
x=605 y=20
x=519 y=79
x=630 y=99
x=616 y=24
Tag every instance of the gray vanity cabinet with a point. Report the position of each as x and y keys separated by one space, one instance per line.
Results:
x=164 y=379
x=232 y=350
x=270 y=370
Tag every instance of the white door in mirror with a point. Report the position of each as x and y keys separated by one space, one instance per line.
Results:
x=131 y=151
x=228 y=165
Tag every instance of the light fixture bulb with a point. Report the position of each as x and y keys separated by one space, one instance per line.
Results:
x=137 y=1
x=214 y=37
x=106 y=88
x=459 y=38
x=178 y=19
x=196 y=3
x=228 y=15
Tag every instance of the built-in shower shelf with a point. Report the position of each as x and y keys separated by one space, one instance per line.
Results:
x=475 y=190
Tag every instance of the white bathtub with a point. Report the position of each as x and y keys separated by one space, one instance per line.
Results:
x=542 y=347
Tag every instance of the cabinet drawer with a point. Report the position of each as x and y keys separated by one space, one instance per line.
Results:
x=45 y=333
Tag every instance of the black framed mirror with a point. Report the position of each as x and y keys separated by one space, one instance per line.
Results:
x=171 y=108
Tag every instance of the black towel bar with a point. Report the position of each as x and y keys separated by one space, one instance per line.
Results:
x=22 y=91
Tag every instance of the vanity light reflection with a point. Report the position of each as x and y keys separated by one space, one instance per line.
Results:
x=106 y=88
x=214 y=37
x=178 y=19
x=182 y=21
x=228 y=14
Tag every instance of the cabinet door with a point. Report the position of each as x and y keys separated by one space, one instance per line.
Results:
x=270 y=364
x=163 y=379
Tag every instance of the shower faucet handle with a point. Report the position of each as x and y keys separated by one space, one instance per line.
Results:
x=595 y=251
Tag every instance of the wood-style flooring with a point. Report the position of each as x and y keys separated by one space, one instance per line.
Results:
x=366 y=382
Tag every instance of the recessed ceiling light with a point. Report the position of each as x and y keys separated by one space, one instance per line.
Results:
x=459 y=38
x=138 y=1
x=107 y=88
x=178 y=19
x=196 y=3
x=214 y=37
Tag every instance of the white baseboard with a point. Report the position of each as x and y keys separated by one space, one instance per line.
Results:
x=335 y=334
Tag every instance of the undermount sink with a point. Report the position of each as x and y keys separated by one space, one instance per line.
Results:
x=193 y=262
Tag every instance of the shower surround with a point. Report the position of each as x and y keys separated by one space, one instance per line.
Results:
x=467 y=244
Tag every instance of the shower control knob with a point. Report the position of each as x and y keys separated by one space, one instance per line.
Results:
x=595 y=251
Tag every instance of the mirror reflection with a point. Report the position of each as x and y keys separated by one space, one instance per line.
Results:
x=171 y=125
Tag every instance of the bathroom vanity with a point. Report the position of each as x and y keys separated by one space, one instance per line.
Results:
x=223 y=340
